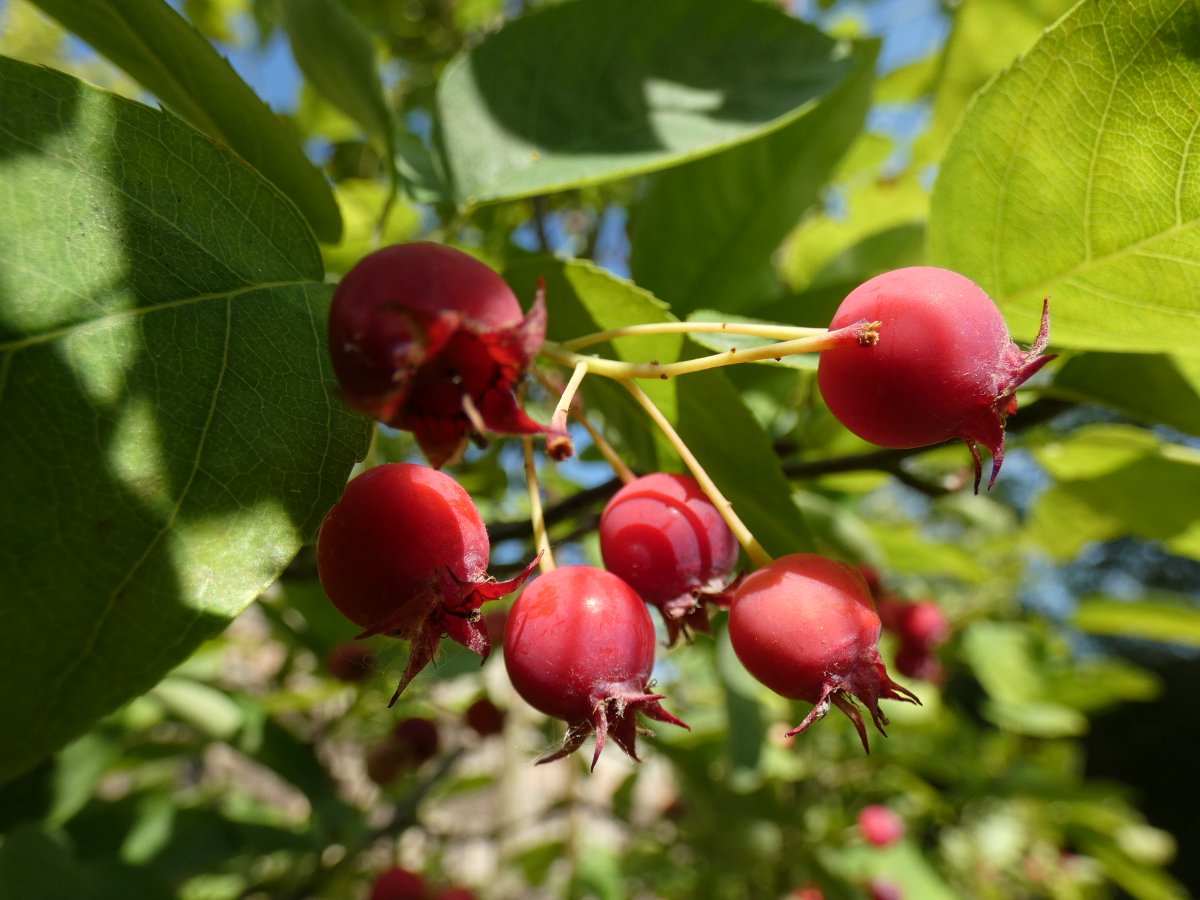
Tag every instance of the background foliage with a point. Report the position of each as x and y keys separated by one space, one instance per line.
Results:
x=170 y=436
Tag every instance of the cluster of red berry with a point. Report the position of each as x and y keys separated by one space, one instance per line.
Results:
x=425 y=338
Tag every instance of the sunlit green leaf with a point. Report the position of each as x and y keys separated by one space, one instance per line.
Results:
x=164 y=399
x=1156 y=620
x=592 y=90
x=155 y=45
x=1070 y=177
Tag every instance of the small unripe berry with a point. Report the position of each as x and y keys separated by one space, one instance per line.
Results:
x=879 y=826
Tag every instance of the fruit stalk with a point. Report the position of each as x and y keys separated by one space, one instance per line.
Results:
x=862 y=333
x=752 y=329
x=758 y=556
x=541 y=541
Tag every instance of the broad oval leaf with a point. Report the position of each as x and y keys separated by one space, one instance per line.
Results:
x=1073 y=175
x=705 y=233
x=593 y=90
x=169 y=436
x=155 y=45
x=1169 y=619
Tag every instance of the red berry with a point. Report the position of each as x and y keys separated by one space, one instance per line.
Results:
x=426 y=338
x=405 y=553
x=878 y=889
x=579 y=646
x=484 y=717
x=455 y=893
x=944 y=365
x=398 y=884
x=418 y=737
x=807 y=892
x=350 y=661
x=805 y=627
x=880 y=826
x=922 y=624
x=664 y=537
x=918 y=661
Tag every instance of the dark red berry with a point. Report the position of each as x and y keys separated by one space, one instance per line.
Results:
x=944 y=365
x=405 y=553
x=917 y=661
x=455 y=893
x=579 y=646
x=350 y=661
x=879 y=826
x=428 y=339
x=805 y=627
x=418 y=737
x=398 y=884
x=922 y=624
x=664 y=537
x=484 y=717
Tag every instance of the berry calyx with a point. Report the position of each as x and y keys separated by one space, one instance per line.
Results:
x=428 y=339
x=664 y=537
x=579 y=646
x=404 y=553
x=944 y=366
x=805 y=627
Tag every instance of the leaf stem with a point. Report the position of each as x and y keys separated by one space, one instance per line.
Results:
x=758 y=556
x=863 y=332
x=753 y=329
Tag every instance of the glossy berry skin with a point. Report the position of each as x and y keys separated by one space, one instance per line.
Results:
x=879 y=826
x=664 y=537
x=428 y=339
x=944 y=366
x=405 y=553
x=398 y=884
x=579 y=646
x=805 y=627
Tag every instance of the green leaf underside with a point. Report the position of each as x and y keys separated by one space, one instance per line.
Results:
x=705 y=233
x=169 y=58
x=662 y=83
x=1147 y=387
x=1075 y=175
x=164 y=403
x=705 y=407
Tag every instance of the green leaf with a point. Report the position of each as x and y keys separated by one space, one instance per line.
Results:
x=169 y=434
x=986 y=38
x=588 y=91
x=1070 y=177
x=1114 y=481
x=1152 y=388
x=705 y=233
x=1155 y=620
x=335 y=53
x=155 y=45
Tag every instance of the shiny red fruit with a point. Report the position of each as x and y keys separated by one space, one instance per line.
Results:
x=664 y=537
x=805 y=627
x=579 y=646
x=944 y=366
x=405 y=553
x=429 y=339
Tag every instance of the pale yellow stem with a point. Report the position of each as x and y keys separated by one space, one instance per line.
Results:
x=753 y=329
x=758 y=556
x=541 y=540
x=864 y=333
x=558 y=422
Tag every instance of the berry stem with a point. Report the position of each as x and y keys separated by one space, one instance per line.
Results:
x=758 y=556
x=541 y=540
x=863 y=332
x=753 y=329
x=558 y=422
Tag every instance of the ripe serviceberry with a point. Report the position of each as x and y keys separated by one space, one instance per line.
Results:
x=412 y=742
x=398 y=884
x=879 y=826
x=664 y=537
x=428 y=339
x=484 y=717
x=350 y=662
x=805 y=627
x=579 y=646
x=405 y=553
x=944 y=365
